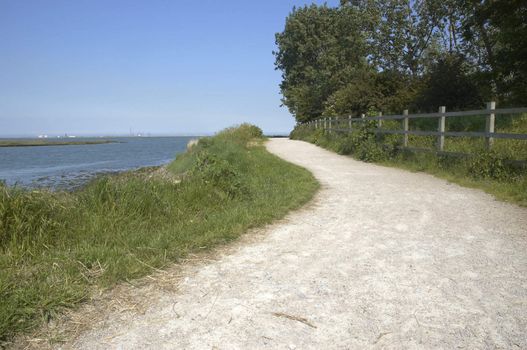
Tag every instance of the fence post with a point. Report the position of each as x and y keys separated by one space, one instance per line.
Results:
x=329 y=125
x=349 y=123
x=489 y=125
x=441 y=129
x=379 y=122
x=405 y=128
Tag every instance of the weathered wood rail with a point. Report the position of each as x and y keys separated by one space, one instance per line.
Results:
x=346 y=124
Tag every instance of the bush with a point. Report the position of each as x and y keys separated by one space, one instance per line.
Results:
x=219 y=173
x=242 y=134
x=346 y=145
x=363 y=142
x=371 y=151
x=449 y=83
x=488 y=165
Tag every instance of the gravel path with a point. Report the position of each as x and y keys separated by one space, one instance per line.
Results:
x=382 y=258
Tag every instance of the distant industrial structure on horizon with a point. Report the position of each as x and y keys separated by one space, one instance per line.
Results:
x=66 y=136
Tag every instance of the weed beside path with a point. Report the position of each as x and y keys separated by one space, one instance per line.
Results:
x=56 y=247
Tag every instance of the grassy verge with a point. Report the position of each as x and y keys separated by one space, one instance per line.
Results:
x=35 y=143
x=492 y=171
x=55 y=246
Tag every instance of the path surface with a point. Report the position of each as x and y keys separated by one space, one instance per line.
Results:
x=382 y=258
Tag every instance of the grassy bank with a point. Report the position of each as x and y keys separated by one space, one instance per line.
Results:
x=44 y=142
x=55 y=246
x=496 y=172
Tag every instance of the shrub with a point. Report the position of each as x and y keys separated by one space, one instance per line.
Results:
x=241 y=134
x=346 y=145
x=362 y=142
x=371 y=151
x=219 y=173
x=488 y=165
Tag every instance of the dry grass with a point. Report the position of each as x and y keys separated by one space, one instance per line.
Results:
x=131 y=298
x=294 y=318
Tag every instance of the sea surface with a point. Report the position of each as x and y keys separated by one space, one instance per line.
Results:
x=68 y=167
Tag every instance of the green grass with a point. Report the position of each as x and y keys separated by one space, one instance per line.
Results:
x=511 y=188
x=45 y=142
x=55 y=246
x=493 y=171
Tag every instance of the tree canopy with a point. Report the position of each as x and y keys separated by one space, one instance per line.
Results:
x=392 y=55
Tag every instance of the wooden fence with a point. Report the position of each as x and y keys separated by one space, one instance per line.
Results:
x=346 y=124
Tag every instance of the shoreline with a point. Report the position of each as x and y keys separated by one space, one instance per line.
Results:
x=38 y=143
x=77 y=181
x=56 y=246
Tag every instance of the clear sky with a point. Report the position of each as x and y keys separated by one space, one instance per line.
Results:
x=153 y=66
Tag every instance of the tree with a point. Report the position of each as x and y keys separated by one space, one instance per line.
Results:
x=316 y=46
x=449 y=83
x=399 y=31
x=495 y=43
x=390 y=55
x=509 y=20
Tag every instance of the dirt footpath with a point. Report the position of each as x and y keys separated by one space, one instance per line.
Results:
x=382 y=258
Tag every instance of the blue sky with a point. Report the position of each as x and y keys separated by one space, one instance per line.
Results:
x=157 y=66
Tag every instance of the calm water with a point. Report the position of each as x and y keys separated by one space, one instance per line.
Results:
x=70 y=166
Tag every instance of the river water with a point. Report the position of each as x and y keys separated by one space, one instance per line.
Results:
x=66 y=167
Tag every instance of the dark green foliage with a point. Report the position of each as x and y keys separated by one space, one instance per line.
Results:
x=488 y=165
x=495 y=37
x=448 y=83
x=370 y=151
x=509 y=17
x=396 y=91
x=362 y=143
x=312 y=48
x=400 y=54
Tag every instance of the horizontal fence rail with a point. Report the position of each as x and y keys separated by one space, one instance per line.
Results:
x=335 y=124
